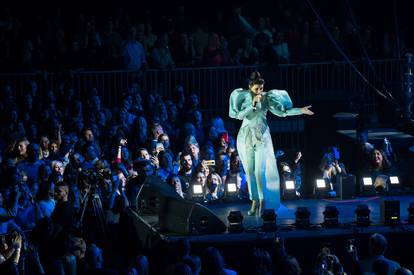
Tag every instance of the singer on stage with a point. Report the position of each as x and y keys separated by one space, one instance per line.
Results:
x=254 y=142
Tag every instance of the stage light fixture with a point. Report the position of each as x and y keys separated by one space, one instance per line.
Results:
x=289 y=185
x=302 y=217
x=362 y=213
x=367 y=186
x=321 y=189
x=197 y=193
x=394 y=180
x=269 y=220
x=393 y=185
x=288 y=190
x=231 y=192
x=320 y=184
x=231 y=188
x=367 y=181
x=330 y=216
x=197 y=189
x=411 y=213
x=235 y=219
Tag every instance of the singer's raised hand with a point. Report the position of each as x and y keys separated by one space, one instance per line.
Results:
x=257 y=98
x=306 y=111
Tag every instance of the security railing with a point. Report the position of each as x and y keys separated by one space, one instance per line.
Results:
x=214 y=84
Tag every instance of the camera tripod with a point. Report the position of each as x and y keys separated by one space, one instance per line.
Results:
x=93 y=219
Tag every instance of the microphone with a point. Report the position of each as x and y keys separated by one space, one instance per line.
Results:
x=255 y=103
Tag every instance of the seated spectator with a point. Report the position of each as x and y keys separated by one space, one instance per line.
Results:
x=332 y=169
x=175 y=182
x=186 y=170
x=380 y=170
x=237 y=175
x=215 y=187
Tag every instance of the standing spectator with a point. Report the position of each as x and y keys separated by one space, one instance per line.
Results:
x=161 y=55
x=215 y=54
x=377 y=246
x=133 y=52
x=111 y=44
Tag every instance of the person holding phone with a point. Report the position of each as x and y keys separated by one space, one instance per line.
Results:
x=254 y=142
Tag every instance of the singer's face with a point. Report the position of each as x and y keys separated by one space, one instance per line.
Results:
x=256 y=89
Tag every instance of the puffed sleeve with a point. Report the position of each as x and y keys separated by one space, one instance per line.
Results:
x=280 y=104
x=240 y=104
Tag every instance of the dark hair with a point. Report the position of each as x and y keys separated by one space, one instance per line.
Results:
x=256 y=79
x=378 y=244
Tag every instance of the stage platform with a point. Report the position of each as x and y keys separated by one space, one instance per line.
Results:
x=286 y=218
x=304 y=244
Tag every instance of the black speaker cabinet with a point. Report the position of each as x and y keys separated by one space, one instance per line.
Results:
x=189 y=218
x=346 y=187
x=152 y=195
x=390 y=212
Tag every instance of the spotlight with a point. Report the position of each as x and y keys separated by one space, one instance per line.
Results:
x=288 y=190
x=269 y=220
x=235 y=219
x=320 y=184
x=411 y=213
x=394 y=180
x=321 y=188
x=302 y=216
x=197 y=189
x=330 y=216
x=289 y=185
x=394 y=185
x=390 y=212
x=231 y=188
x=197 y=192
x=231 y=191
x=362 y=213
x=367 y=186
x=367 y=181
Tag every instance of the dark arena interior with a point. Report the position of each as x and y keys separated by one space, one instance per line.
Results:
x=201 y=137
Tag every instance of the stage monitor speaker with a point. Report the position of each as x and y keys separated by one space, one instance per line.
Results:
x=189 y=218
x=390 y=212
x=346 y=187
x=152 y=195
x=137 y=233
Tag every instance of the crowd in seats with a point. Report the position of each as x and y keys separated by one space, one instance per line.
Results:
x=70 y=168
x=187 y=36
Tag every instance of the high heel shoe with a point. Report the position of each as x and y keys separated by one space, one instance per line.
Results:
x=253 y=209
x=261 y=208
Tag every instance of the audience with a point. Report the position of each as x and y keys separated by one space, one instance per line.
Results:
x=123 y=39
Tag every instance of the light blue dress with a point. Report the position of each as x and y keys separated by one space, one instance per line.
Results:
x=254 y=142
